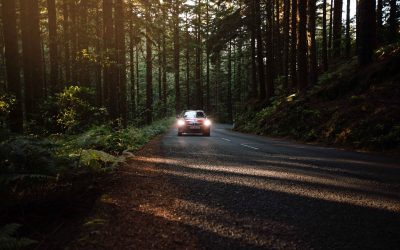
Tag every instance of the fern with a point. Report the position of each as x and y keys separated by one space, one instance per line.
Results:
x=8 y=240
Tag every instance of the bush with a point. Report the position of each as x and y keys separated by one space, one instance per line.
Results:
x=6 y=104
x=72 y=110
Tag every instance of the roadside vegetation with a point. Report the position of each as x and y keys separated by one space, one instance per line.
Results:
x=349 y=106
x=71 y=146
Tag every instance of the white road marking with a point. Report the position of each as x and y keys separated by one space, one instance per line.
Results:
x=225 y=139
x=247 y=146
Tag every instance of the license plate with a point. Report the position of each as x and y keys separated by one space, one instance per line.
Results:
x=194 y=127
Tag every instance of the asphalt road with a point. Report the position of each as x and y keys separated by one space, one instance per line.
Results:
x=250 y=192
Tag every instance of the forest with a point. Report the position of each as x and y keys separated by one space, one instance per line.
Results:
x=83 y=83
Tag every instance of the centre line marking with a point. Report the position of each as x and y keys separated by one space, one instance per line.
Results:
x=225 y=139
x=244 y=145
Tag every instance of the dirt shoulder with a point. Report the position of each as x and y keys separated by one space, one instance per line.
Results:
x=135 y=210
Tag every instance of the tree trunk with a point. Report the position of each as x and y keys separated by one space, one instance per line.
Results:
x=379 y=21
x=302 y=47
x=393 y=23
x=229 y=101
x=149 y=69
x=260 y=54
x=313 y=72
x=132 y=60
x=53 y=47
x=67 y=42
x=83 y=44
x=293 y=46
x=108 y=41
x=98 y=70
x=176 y=57
x=330 y=28
x=286 y=28
x=164 y=63
x=208 y=108
x=32 y=55
x=337 y=28
x=198 y=80
x=253 y=90
x=12 y=64
x=187 y=65
x=238 y=85
x=324 y=38
x=74 y=38
x=366 y=31
x=348 y=37
x=121 y=60
x=270 y=65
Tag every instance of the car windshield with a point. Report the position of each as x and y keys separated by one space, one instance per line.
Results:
x=194 y=114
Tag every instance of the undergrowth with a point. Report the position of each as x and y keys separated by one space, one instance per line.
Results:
x=41 y=170
x=349 y=106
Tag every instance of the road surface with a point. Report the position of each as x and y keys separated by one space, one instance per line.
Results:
x=249 y=192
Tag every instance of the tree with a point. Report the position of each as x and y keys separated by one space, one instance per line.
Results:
x=337 y=28
x=108 y=43
x=302 y=47
x=348 y=38
x=313 y=72
x=176 y=12
x=366 y=31
x=293 y=45
x=260 y=54
x=32 y=56
x=286 y=36
x=198 y=68
x=121 y=60
x=324 y=38
x=270 y=65
x=53 y=48
x=12 y=66
x=149 y=67
x=393 y=23
x=67 y=41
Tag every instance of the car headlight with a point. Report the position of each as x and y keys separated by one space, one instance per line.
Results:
x=207 y=123
x=181 y=123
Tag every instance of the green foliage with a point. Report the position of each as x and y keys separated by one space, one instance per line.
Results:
x=6 y=104
x=115 y=141
x=8 y=240
x=72 y=110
